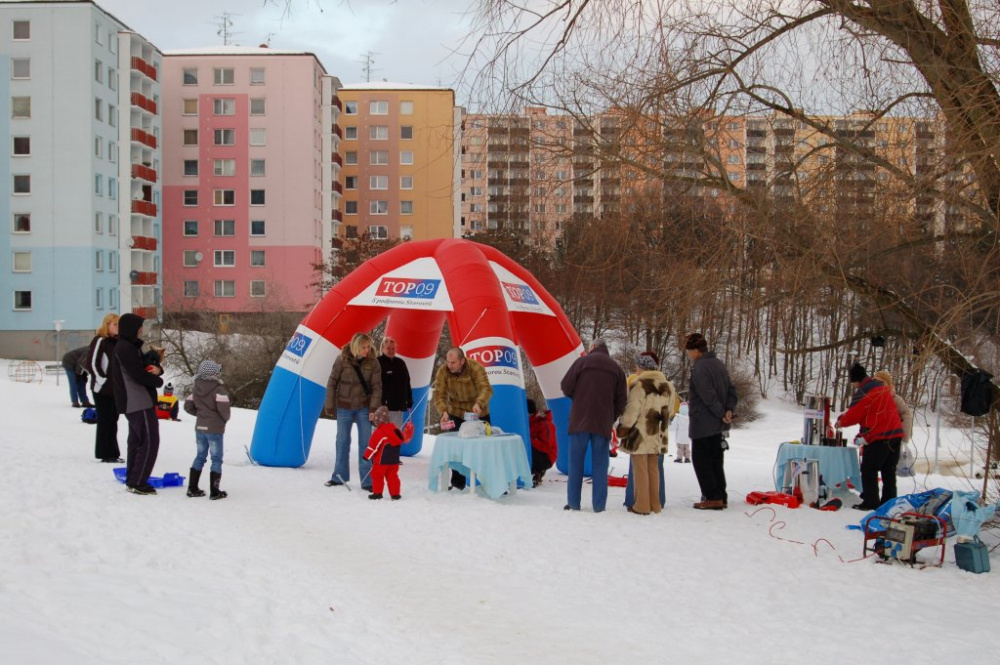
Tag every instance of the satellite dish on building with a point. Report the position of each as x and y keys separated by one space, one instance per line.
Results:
x=134 y=275
x=198 y=256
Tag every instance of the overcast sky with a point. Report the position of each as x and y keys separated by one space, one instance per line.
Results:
x=414 y=41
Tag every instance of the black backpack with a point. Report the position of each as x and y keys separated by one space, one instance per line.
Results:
x=977 y=392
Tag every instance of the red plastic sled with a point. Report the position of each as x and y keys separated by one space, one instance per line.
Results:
x=779 y=498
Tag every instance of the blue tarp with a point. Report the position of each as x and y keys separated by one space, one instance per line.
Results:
x=932 y=502
x=967 y=515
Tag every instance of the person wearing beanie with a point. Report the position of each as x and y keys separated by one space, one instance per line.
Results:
x=544 y=447
x=383 y=452
x=881 y=435
x=134 y=387
x=711 y=400
x=650 y=406
x=209 y=403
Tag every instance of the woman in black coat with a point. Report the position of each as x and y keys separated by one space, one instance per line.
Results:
x=102 y=350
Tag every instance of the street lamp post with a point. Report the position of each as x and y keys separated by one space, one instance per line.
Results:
x=58 y=324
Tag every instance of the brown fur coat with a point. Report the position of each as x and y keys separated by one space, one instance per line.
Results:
x=651 y=404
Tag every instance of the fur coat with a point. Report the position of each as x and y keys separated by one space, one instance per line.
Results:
x=651 y=404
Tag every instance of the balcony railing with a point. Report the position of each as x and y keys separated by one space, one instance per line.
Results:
x=140 y=65
x=338 y=103
x=147 y=208
x=144 y=242
x=144 y=172
x=148 y=313
x=338 y=216
x=143 y=102
x=338 y=131
x=143 y=137
x=337 y=187
x=144 y=279
x=337 y=159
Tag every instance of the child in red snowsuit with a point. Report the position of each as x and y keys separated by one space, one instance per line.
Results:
x=544 y=447
x=383 y=452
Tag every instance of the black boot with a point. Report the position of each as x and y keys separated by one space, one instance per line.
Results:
x=216 y=493
x=193 y=479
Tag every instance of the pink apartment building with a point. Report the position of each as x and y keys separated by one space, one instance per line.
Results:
x=249 y=178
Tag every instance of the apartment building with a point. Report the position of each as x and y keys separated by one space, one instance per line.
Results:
x=79 y=188
x=250 y=178
x=400 y=152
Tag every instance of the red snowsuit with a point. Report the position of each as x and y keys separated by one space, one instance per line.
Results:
x=383 y=452
x=543 y=435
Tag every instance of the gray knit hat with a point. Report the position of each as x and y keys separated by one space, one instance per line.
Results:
x=645 y=363
x=208 y=369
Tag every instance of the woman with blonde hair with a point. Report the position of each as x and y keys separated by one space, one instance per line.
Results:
x=102 y=350
x=353 y=393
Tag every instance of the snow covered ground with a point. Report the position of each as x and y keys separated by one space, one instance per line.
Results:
x=288 y=571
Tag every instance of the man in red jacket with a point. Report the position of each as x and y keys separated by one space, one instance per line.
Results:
x=873 y=408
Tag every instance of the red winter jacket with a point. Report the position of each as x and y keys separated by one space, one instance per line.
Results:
x=543 y=434
x=383 y=446
x=873 y=408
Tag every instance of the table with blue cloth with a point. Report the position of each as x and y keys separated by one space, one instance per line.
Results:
x=498 y=462
x=836 y=464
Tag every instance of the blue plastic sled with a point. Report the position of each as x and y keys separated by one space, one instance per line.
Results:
x=168 y=479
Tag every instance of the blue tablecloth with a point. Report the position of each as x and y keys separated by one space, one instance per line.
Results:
x=835 y=464
x=497 y=461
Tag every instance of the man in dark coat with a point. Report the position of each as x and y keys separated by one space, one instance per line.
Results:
x=596 y=384
x=711 y=402
x=397 y=395
x=75 y=364
x=135 y=385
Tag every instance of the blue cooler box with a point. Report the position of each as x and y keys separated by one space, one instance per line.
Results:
x=973 y=557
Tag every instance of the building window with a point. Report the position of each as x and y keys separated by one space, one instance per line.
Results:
x=22 y=30
x=406 y=132
x=225 y=227
x=98 y=147
x=224 y=107
x=112 y=115
x=257 y=76
x=406 y=108
x=190 y=76
x=20 y=68
x=351 y=182
x=257 y=197
x=190 y=137
x=190 y=258
x=112 y=261
x=406 y=157
x=190 y=107
x=99 y=261
x=378 y=156
x=378 y=207
x=734 y=176
x=378 y=132
x=257 y=167
x=98 y=110
x=223 y=76
x=257 y=227
x=257 y=258
x=22 y=184
x=112 y=298
x=560 y=207
x=405 y=232
x=378 y=232
x=224 y=167
x=350 y=108
x=350 y=231
x=257 y=288
x=258 y=136
x=378 y=108
x=224 y=197
x=22 y=261
x=112 y=152
x=112 y=225
x=225 y=288
x=190 y=167
x=113 y=189
x=351 y=157
x=98 y=300
x=190 y=197
x=350 y=133
x=225 y=137
x=98 y=71
x=378 y=182
x=190 y=227
x=20 y=107
x=257 y=106
x=406 y=182
x=350 y=207
x=22 y=146
x=191 y=289
x=22 y=222
x=98 y=222
x=22 y=301
x=225 y=258
x=406 y=207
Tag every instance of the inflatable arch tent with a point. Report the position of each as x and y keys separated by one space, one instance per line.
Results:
x=493 y=306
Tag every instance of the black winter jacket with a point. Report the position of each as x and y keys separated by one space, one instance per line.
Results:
x=102 y=351
x=134 y=387
x=396 y=392
x=711 y=395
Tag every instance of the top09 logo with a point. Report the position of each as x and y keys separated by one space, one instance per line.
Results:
x=298 y=344
x=408 y=287
x=494 y=356
x=520 y=293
